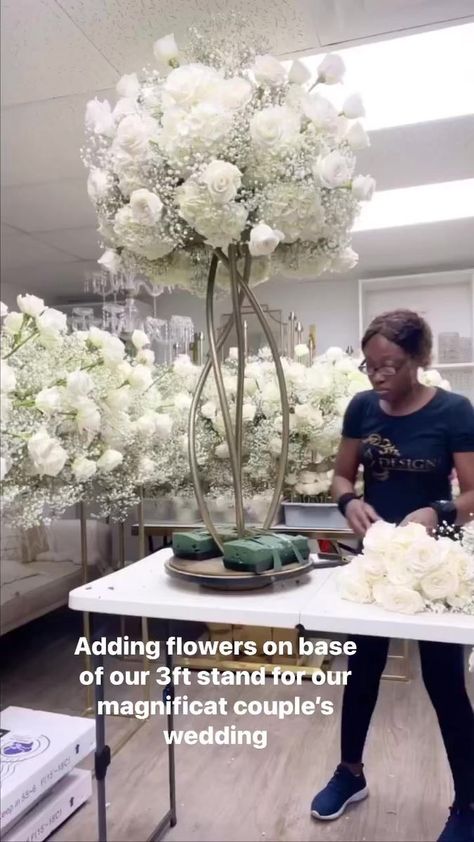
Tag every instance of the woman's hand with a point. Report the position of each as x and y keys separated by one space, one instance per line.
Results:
x=360 y=516
x=427 y=517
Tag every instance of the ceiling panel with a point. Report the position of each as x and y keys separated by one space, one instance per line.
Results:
x=423 y=153
x=340 y=20
x=44 y=54
x=83 y=243
x=54 y=280
x=20 y=250
x=47 y=207
x=125 y=31
x=41 y=141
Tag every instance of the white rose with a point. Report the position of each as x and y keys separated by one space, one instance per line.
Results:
x=353 y=584
x=234 y=93
x=274 y=127
x=345 y=260
x=46 y=453
x=140 y=378
x=331 y=70
x=301 y=350
x=124 y=107
x=299 y=73
x=112 y=351
x=222 y=180
x=124 y=370
x=13 y=323
x=146 y=357
x=4 y=468
x=440 y=583
x=182 y=401
x=263 y=239
x=49 y=401
x=191 y=84
x=146 y=424
x=30 y=305
x=97 y=337
x=7 y=378
x=357 y=137
x=334 y=354
x=111 y=261
x=134 y=133
x=140 y=339
x=128 y=85
x=353 y=107
x=333 y=170
x=274 y=446
x=222 y=450
x=98 y=184
x=3 y=310
x=269 y=70
x=83 y=469
x=79 y=383
x=99 y=117
x=51 y=322
x=319 y=110
x=110 y=460
x=363 y=187
x=398 y=598
x=147 y=207
x=248 y=412
x=119 y=399
x=209 y=410
x=165 y=49
x=87 y=415
x=163 y=425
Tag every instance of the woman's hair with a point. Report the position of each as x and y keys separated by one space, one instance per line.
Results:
x=406 y=329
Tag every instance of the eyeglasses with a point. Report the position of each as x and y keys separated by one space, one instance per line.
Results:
x=383 y=370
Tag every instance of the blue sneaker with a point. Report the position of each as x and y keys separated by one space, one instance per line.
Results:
x=344 y=788
x=460 y=825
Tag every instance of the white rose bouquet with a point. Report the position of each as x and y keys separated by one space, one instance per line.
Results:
x=404 y=569
x=219 y=145
x=79 y=415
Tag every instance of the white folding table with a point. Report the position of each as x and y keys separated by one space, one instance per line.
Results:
x=145 y=589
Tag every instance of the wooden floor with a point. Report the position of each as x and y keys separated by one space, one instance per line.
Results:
x=244 y=794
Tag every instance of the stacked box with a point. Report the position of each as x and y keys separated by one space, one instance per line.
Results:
x=60 y=802
x=37 y=749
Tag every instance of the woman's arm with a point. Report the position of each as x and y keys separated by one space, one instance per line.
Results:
x=359 y=514
x=464 y=464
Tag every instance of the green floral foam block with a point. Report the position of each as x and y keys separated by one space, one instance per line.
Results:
x=265 y=552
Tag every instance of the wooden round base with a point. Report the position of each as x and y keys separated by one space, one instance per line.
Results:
x=211 y=573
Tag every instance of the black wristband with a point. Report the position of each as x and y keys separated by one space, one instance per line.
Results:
x=446 y=512
x=344 y=501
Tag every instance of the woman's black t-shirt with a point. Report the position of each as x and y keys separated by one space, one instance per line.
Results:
x=408 y=459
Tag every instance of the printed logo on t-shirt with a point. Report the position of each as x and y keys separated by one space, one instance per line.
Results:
x=380 y=456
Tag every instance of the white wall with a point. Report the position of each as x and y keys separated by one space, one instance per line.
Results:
x=332 y=305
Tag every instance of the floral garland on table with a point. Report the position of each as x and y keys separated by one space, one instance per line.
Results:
x=79 y=415
x=404 y=569
x=223 y=145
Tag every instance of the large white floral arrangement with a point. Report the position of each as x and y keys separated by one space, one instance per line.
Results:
x=318 y=396
x=404 y=569
x=221 y=144
x=79 y=413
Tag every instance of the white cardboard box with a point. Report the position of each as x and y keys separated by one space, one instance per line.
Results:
x=37 y=749
x=61 y=802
